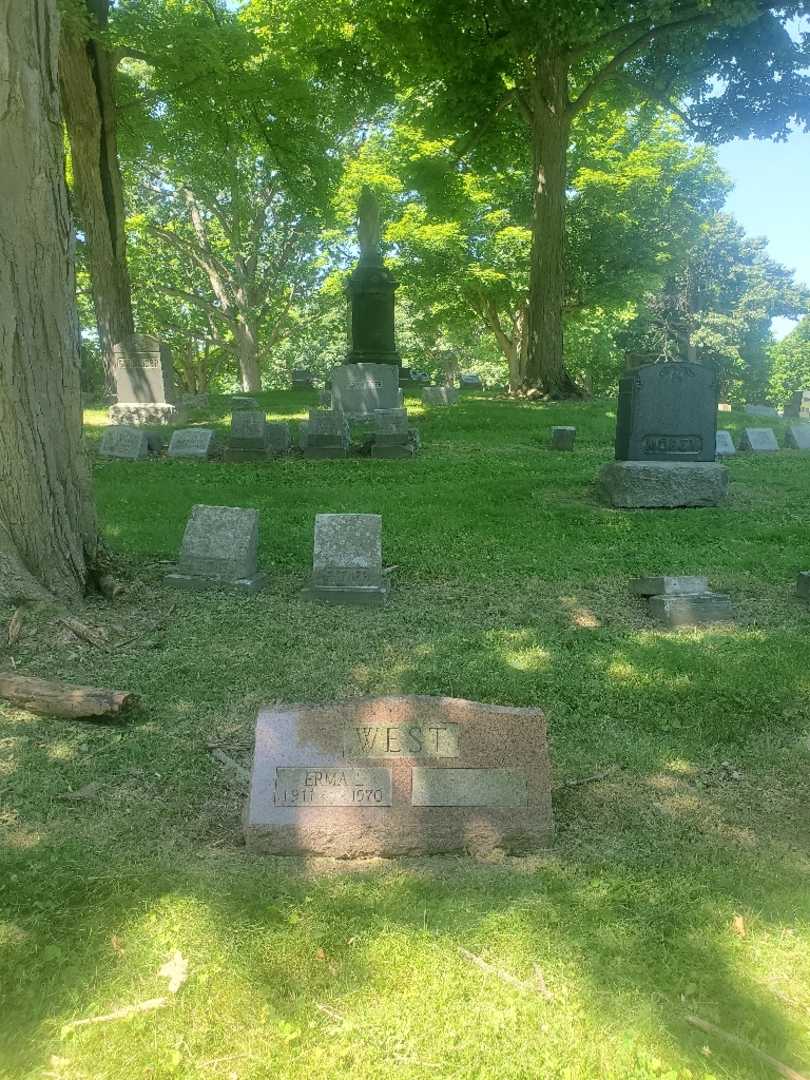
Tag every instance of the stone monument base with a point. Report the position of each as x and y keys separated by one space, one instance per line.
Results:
x=355 y=595
x=143 y=413
x=199 y=583
x=651 y=484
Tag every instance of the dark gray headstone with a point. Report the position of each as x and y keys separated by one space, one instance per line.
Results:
x=359 y=389
x=724 y=444
x=278 y=437
x=797 y=437
x=325 y=435
x=219 y=548
x=122 y=441
x=192 y=443
x=142 y=367
x=392 y=437
x=803 y=585
x=691 y=610
x=347 y=560
x=562 y=438
x=667 y=412
x=759 y=440
x=248 y=430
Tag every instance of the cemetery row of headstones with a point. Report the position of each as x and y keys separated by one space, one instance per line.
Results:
x=763 y=440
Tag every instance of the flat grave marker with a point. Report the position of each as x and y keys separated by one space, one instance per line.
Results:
x=192 y=443
x=124 y=441
x=759 y=440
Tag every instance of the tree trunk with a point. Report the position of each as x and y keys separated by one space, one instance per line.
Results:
x=248 y=353
x=550 y=128
x=47 y=521
x=87 y=73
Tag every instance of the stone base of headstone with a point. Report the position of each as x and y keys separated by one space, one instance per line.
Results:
x=691 y=610
x=562 y=438
x=196 y=583
x=797 y=437
x=141 y=413
x=351 y=595
x=662 y=484
x=399 y=776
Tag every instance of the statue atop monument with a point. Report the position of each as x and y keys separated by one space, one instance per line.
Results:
x=368 y=225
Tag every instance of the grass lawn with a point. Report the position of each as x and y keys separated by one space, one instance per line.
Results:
x=678 y=884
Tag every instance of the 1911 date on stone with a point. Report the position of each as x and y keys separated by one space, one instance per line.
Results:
x=315 y=786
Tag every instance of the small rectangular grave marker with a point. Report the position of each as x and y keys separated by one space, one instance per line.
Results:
x=219 y=548
x=562 y=438
x=695 y=610
x=803 y=584
x=248 y=439
x=439 y=395
x=670 y=585
x=759 y=440
x=797 y=437
x=123 y=441
x=347 y=560
x=761 y=410
x=192 y=443
x=317 y=789
x=724 y=444
x=278 y=437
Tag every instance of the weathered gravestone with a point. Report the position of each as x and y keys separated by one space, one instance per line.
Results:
x=279 y=440
x=665 y=439
x=392 y=438
x=470 y=381
x=759 y=440
x=324 y=435
x=724 y=444
x=123 y=441
x=359 y=389
x=144 y=382
x=238 y=401
x=219 y=549
x=399 y=776
x=562 y=438
x=797 y=437
x=799 y=405
x=761 y=410
x=439 y=395
x=803 y=585
x=192 y=443
x=691 y=610
x=248 y=439
x=302 y=379
x=347 y=560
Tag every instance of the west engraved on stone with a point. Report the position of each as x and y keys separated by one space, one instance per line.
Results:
x=401 y=741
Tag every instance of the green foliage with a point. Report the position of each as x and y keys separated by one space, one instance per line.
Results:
x=791 y=363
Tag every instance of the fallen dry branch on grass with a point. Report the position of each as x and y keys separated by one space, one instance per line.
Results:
x=65 y=699
x=578 y=780
x=84 y=632
x=119 y=1014
x=537 y=987
x=735 y=1040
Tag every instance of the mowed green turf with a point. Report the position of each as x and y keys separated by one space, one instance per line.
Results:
x=679 y=882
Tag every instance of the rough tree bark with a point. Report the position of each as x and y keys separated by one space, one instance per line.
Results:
x=550 y=126
x=87 y=79
x=47 y=521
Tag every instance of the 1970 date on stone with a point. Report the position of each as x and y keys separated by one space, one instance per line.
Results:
x=315 y=786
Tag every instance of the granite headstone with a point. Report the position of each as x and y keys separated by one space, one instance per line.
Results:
x=562 y=438
x=144 y=382
x=123 y=441
x=399 y=776
x=759 y=440
x=359 y=389
x=724 y=444
x=797 y=437
x=248 y=439
x=761 y=410
x=324 y=435
x=347 y=560
x=192 y=443
x=439 y=395
x=219 y=549
x=667 y=412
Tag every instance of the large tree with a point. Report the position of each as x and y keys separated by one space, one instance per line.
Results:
x=730 y=66
x=47 y=523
